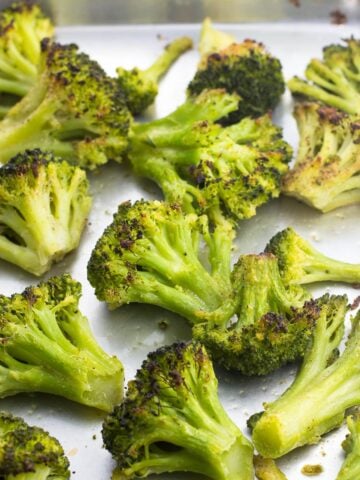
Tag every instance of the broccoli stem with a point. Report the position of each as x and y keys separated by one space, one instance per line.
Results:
x=322 y=268
x=42 y=472
x=14 y=87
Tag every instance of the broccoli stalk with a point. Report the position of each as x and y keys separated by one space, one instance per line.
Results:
x=266 y=469
x=335 y=79
x=300 y=263
x=172 y=420
x=47 y=346
x=44 y=204
x=141 y=86
x=326 y=171
x=350 y=469
x=324 y=387
x=29 y=453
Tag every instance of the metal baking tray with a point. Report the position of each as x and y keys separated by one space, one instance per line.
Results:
x=132 y=331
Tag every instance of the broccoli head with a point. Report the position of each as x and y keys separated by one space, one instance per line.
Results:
x=47 y=346
x=141 y=86
x=44 y=204
x=150 y=254
x=203 y=165
x=172 y=420
x=29 y=453
x=247 y=69
x=301 y=263
x=273 y=325
x=350 y=469
x=74 y=110
x=22 y=28
x=326 y=174
x=334 y=80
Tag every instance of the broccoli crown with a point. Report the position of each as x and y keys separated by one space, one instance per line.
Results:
x=150 y=254
x=266 y=469
x=247 y=69
x=334 y=80
x=273 y=325
x=202 y=165
x=29 y=452
x=301 y=263
x=351 y=466
x=141 y=86
x=44 y=204
x=75 y=110
x=172 y=420
x=326 y=172
x=43 y=336
x=325 y=387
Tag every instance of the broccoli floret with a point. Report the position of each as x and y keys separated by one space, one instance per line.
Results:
x=266 y=469
x=29 y=453
x=47 y=346
x=150 y=254
x=44 y=203
x=300 y=263
x=243 y=68
x=350 y=469
x=201 y=164
x=326 y=174
x=322 y=391
x=334 y=80
x=141 y=86
x=273 y=325
x=22 y=27
x=73 y=110
x=172 y=420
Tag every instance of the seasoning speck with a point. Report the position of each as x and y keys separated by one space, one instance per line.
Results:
x=338 y=17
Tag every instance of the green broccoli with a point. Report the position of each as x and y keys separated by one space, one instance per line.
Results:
x=334 y=80
x=326 y=174
x=47 y=346
x=22 y=27
x=273 y=325
x=300 y=263
x=266 y=469
x=73 y=110
x=172 y=420
x=325 y=387
x=150 y=254
x=203 y=165
x=141 y=86
x=44 y=204
x=243 y=68
x=29 y=453
x=350 y=469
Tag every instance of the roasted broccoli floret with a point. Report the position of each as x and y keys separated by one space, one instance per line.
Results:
x=150 y=254
x=324 y=388
x=44 y=204
x=246 y=68
x=300 y=263
x=326 y=174
x=172 y=420
x=29 y=453
x=141 y=86
x=74 y=110
x=47 y=346
x=22 y=27
x=266 y=469
x=350 y=469
x=201 y=164
x=334 y=80
x=272 y=328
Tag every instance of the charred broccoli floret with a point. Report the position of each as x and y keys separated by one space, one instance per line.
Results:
x=301 y=263
x=201 y=164
x=22 y=27
x=73 y=110
x=47 y=346
x=334 y=80
x=246 y=68
x=266 y=469
x=326 y=174
x=350 y=469
x=322 y=391
x=141 y=86
x=150 y=254
x=44 y=204
x=172 y=420
x=273 y=325
x=29 y=453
